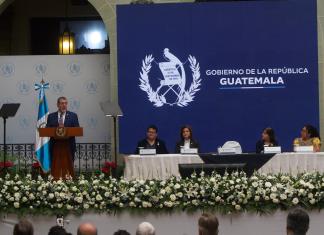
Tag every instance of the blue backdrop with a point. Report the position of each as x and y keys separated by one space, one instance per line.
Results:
x=228 y=69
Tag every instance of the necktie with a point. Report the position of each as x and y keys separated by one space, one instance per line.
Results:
x=61 y=123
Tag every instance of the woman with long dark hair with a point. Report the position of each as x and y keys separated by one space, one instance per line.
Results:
x=186 y=139
x=268 y=138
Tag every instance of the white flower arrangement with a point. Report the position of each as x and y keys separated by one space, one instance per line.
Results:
x=226 y=194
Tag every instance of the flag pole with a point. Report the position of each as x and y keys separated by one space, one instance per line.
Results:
x=42 y=151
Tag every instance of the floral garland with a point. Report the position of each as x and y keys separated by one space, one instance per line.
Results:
x=225 y=194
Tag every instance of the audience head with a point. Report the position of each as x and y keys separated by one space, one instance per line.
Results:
x=308 y=132
x=268 y=135
x=122 y=232
x=186 y=132
x=145 y=228
x=151 y=132
x=23 y=227
x=208 y=224
x=57 y=230
x=297 y=222
x=87 y=229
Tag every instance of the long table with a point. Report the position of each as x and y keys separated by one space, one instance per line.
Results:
x=160 y=166
x=164 y=166
x=294 y=163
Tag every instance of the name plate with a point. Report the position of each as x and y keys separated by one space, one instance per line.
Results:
x=304 y=149
x=189 y=151
x=147 y=151
x=225 y=151
x=272 y=149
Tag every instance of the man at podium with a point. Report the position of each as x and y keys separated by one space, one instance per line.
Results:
x=63 y=118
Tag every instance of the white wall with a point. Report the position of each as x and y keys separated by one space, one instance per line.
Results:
x=83 y=79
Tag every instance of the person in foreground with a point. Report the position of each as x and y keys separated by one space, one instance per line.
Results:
x=121 y=232
x=145 y=228
x=186 y=139
x=57 y=230
x=87 y=229
x=23 y=227
x=268 y=138
x=297 y=222
x=152 y=142
x=208 y=224
x=309 y=136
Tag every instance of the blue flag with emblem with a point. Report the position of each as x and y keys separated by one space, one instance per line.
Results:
x=42 y=145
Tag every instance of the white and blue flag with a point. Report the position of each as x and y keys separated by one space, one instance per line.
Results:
x=42 y=145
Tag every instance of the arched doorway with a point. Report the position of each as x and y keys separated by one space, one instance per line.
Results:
x=107 y=11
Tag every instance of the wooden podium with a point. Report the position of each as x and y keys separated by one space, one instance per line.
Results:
x=62 y=164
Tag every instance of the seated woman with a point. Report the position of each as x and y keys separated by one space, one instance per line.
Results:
x=268 y=138
x=309 y=136
x=152 y=142
x=186 y=140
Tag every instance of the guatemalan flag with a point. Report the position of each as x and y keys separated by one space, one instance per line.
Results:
x=42 y=145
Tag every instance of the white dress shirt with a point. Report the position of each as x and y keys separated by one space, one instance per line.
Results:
x=186 y=144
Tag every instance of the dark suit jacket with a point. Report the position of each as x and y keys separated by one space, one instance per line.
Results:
x=71 y=120
x=193 y=144
x=159 y=146
x=259 y=147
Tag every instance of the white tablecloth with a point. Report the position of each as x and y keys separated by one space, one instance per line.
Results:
x=294 y=163
x=161 y=166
